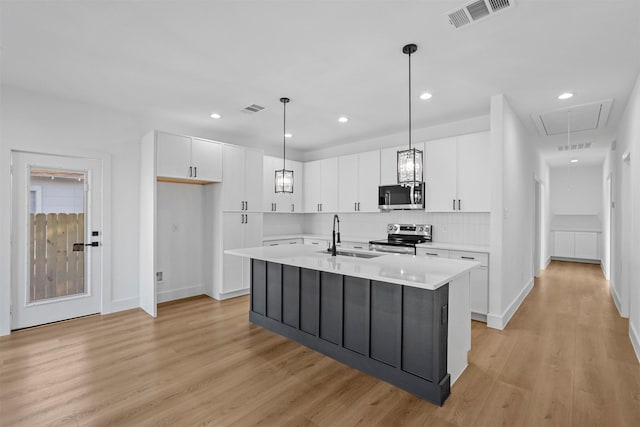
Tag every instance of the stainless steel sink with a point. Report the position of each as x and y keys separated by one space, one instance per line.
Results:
x=353 y=254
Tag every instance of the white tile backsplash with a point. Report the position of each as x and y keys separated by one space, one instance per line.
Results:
x=459 y=227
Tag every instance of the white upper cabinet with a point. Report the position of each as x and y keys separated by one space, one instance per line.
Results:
x=440 y=175
x=206 y=159
x=281 y=202
x=474 y=179
x=242 y=190
x=183 y=158
x=359 y=176
x=320 y=184
x=457 y=174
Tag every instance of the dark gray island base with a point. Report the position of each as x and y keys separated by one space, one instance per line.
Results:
x=393 y=332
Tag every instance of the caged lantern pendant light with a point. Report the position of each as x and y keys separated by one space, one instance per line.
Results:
x=409 y=161
x=284 y=177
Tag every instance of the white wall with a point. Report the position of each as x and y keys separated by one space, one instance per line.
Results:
x=576 y=190
x=180 y=240
x=627 y=215
x=461 y=127
x=283 y=223
x=463 y=228
x=40 y=123
x=516 y=165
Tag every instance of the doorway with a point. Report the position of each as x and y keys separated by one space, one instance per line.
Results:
x=623 y=262
x=56 y=223
x=537 y=233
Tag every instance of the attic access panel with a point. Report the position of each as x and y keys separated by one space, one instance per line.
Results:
x=583 y=117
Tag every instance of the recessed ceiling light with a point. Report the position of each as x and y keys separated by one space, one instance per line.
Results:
x=287 y=135
x=343 y=119
x=574 y=160
x=426 y=95
x=216 y=116
x=565 y=95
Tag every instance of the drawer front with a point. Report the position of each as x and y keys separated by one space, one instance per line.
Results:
x=317 y=242
x=480 y=257
x=282 y=242
x=440 y=253
x=354 y=245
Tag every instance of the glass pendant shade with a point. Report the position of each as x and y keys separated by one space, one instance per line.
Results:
x=284 y=181
x=409 y=166
x=284 y=177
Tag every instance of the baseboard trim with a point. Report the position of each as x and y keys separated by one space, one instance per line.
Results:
x=122 y=304
x=501 y=321
x=546 y=264
x=615 y=297
x=233 y=294
x=635 y=340
x=174 y=294
x=581 y=260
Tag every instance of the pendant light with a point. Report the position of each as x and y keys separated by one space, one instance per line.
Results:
x=409 y=161
x=284 y=177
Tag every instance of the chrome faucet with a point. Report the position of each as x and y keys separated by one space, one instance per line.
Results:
x=333 y=248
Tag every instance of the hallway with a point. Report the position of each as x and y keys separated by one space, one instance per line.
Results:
x=564 y=359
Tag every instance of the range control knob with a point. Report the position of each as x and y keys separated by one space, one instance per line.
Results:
x=420 y=229
x=390 y=227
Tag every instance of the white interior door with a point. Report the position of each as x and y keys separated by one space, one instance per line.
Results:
x=56 y=213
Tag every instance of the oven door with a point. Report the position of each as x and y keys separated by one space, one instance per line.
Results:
x=393 y=249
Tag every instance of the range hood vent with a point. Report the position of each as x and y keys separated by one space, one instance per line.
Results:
x=477 y=10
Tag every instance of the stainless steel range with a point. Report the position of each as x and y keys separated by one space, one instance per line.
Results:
x=402 y=238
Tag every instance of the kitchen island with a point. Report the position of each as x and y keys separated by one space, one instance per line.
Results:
x=403 y=319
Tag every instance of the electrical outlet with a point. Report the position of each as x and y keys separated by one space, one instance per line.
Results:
x=159 y=276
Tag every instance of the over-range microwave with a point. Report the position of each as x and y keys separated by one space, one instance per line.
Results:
x=395 y=197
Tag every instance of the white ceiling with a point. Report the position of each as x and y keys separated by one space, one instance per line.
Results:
x=182 y=60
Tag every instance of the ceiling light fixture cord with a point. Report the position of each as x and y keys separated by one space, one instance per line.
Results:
x=284 y=137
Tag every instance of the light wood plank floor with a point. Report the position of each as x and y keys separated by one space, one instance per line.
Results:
x=565 y=359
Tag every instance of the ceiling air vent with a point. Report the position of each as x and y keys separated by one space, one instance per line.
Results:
x=477 y=10
x=253 y=108
x=581 y=146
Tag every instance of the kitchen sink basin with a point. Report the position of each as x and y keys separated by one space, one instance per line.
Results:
x=353 y=254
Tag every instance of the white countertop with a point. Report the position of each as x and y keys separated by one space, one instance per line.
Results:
x=409 y=270
x=361 y=239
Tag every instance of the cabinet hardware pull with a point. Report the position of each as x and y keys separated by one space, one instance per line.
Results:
x=246 y=205
x=195 y=171
x=458 y=204
x=358 y=206
x=320 y=207
x=292 y=243
x=190 y=171
x=246 y=219
x=355 y=206
x=273 y=244
x=454 y=204
x=314 y=243
x=431 y=254
x=468 y=257
x=241 y=218
x=357 y=247
x=293 y=207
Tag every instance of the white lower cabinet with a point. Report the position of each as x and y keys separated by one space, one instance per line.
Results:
x=347 y=244
x=323 y=243
x=241 y=230
x=479 y=280
x=580 y=245
x=281 y=242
